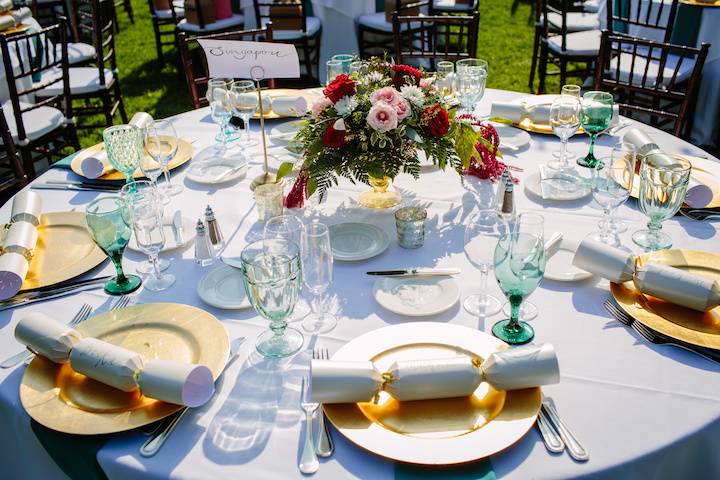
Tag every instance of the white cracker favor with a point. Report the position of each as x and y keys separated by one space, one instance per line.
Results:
x=106 y=363
x=604 y=261
x=289 y=106
x=176 y=382
x=96 y=166
x=20 y=238
x=27 y=206
x=47 y=337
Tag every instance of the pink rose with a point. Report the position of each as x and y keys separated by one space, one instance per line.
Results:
x=317 y=108
x=386 y=94
x=402 y=108
x=427 y=84
x=382 y=117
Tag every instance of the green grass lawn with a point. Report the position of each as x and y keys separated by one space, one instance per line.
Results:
x=505 y=40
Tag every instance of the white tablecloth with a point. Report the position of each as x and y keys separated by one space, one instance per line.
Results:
x=642 y=411
x=706 y=129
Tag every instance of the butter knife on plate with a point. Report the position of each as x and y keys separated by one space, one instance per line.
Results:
x=417 y=272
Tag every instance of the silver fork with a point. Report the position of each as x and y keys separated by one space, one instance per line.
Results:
x=652 y=336
x=324 y=446
x=308 y=460
x=26 y=355
x=121 y=302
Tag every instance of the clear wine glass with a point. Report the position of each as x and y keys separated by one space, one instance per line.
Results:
x=595 y=117
x=273 y=277
x=571 y=91
x=161 y=143
x=626 y=153
x=611 y=185
x=445 y=76
x=124 y=148
x=333 y=69
x=482 y=231
x=519 y=261
x=147 y=222
x=346 y=61
x=470 y=78
x=317 y=263
x=140 y=190
x=218 y=97
x=565 y=121
x=244 y=101
x=662 y=191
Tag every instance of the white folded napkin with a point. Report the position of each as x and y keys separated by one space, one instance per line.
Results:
x=175 y=382
x=539 y=114
x=289 y=106
x=671 y=284
x=345 y=381
x=6 y=5
x=21 y=14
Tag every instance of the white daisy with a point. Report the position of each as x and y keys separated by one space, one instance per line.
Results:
x=413 y=94
x=373 y=77
x=346 y=105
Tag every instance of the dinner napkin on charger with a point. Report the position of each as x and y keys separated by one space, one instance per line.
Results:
x=662 y=281
x=99 y=165
x=538 y=114
x=6 y=5
x=19 y=242
x=360 y=381
x=181 y=383
x=698 y=195
x=289 y=105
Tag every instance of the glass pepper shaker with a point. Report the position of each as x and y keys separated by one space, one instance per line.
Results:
x=204 y=251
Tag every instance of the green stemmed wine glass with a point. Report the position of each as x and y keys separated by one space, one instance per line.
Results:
x=272 y=272
x=663 y=185
x=109 y=225
x=595 y=116
x=124 y=147
x=519 y=262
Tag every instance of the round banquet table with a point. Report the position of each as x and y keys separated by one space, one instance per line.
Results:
x=642 y=411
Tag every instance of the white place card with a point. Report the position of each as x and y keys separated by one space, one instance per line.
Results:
x=253 y=60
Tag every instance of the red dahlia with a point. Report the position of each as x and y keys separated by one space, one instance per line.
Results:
x=340 y=87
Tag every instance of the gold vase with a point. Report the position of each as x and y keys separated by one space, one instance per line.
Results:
x=379 y=196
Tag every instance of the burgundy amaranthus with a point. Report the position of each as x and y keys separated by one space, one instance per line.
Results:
x=491 y=168
x=296 y=196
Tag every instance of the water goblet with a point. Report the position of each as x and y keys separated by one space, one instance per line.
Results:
x=662 y=191
x=565 y=121
x=519 y=261
x=333 y=69
x=595 y=117
x=147 y=223
x=571 y=90
x=286 y=227
x=161 y=143
x=218 y=97
x=124 y=147
x=346 y=61
x=244 y=101
x=272 y=283
x=108 y=222
x=317 y=265
x=482 y=232
x=611 y=187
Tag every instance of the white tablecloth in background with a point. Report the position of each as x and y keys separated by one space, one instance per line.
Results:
x=642 y=411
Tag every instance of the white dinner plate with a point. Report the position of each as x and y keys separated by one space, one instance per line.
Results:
x=512 y=137
x=285 y=132
x=216 y=171
x=557 y=191
x=352 y=242
x=416 y=296
x=224 y=288
x=170 y=243
x=559 y=266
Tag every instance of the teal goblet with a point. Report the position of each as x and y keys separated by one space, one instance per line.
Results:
x=595 y=116
x=519 y=263
x=109 y=225
x=124 y=147
x=272 y=272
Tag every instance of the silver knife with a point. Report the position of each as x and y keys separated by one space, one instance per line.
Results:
x=177 y=223
x=573 y=446
x=416 y=272
x=153 y=444
x=33 y=297
x=74 y=188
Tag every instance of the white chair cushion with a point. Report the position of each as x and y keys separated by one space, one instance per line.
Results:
x=578 y=44
x=377 y=21
x=234 y=21
x=591 y=6
x=82 y=80
x=576 y=21
x=452 y=6
x=312 y=24
x=37 y=122
x=167 y=14
x=78 y=52
x=638 y=68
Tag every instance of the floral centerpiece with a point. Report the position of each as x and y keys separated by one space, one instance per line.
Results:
x=370 y=126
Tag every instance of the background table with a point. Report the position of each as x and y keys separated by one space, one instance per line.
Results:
x=642 y=411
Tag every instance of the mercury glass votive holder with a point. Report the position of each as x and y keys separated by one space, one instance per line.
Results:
x=410 y=224
x=269 y=200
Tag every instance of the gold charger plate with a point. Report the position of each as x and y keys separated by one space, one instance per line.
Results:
x=184 y=153
x=59 y=398
x=696 y=3
x=64 y=250
x=310 y=95
x=698 y=328
x=433 y=432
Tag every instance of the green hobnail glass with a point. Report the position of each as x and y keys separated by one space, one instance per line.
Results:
x=595 y=117
x=108 y=222
x=124 y=148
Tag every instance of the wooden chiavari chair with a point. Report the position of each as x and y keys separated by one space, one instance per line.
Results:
x=655 y=19
x=375 y=33
x=164 y=21
x=12 y=175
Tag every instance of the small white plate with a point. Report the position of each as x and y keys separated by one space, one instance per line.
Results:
x=284 y=132
x=170 y=243
x=215 y=171
x=224 y=288
x=559 y=266
x=548 y=191
x=511 y=137
x=352 y=242
x=415 y=296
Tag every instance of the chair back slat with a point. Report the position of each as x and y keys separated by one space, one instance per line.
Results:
x=187 y=45
x=283 y=14
x=658 y=17
x=651 y=79
x=14 y=177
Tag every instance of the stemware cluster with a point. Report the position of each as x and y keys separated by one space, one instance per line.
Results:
x=226 y=98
